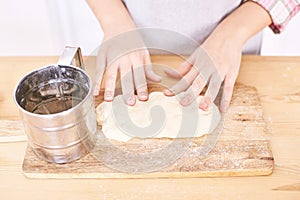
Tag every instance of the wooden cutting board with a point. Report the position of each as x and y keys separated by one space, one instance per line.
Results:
x=242 y=149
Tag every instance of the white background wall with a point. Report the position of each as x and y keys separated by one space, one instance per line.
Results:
x=44 y=27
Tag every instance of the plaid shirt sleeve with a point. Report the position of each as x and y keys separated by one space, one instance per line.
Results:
x=281 y=12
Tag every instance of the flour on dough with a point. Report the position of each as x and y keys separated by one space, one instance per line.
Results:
x=159 y=117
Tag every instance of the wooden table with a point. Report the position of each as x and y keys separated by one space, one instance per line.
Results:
x=278 y=82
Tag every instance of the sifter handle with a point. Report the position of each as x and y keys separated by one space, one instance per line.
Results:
x=71 y=56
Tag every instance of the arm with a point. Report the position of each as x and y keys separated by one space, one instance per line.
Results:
x=225 y=44
x=223 y=47
x=243 y=23
x=112 y=16
x=249 y=19
x=281 y=12
x=115 y=56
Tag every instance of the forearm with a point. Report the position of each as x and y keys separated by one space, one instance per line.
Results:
x=112 y=16
x=281 y=12
x=240 y=25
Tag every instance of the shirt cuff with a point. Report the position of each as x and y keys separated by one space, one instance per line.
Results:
x=281 y=12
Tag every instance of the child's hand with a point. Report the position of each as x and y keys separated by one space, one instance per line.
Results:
x=122 y=51
x=220 y=57
x=211 y=64
x=126 y=54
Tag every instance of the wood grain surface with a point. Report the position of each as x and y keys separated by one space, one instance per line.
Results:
x=242 y=149
x=12 y=131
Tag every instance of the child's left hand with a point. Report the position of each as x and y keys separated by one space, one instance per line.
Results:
x=212 y=63
x=219 y=57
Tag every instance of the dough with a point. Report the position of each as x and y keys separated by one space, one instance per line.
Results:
x=158 y=117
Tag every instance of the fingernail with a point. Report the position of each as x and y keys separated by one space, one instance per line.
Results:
x=168 y=93
x=185 y=101
x=158 y=78
x=96 y=92
x=143 y=96
x=204 y=104
x=131 y=101
x=108 y=96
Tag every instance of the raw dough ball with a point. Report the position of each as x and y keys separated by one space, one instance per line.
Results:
x=158 y=117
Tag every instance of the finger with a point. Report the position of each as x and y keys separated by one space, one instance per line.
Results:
x=139 y=77
x=179 y=72
x=149 y=71
x=203 y=61
x=193 y=92
x=183 y=84
x=227 y=93
x=182 y=69
x=100 y=68
x=211 y=92
x=127 y=81
x=110 y=81
x=172 y=73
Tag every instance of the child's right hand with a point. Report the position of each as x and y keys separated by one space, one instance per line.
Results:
x=124 y=53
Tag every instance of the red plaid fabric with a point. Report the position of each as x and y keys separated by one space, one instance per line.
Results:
x=281 y=12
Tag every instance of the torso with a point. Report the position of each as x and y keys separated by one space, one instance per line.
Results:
x=193 y=18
